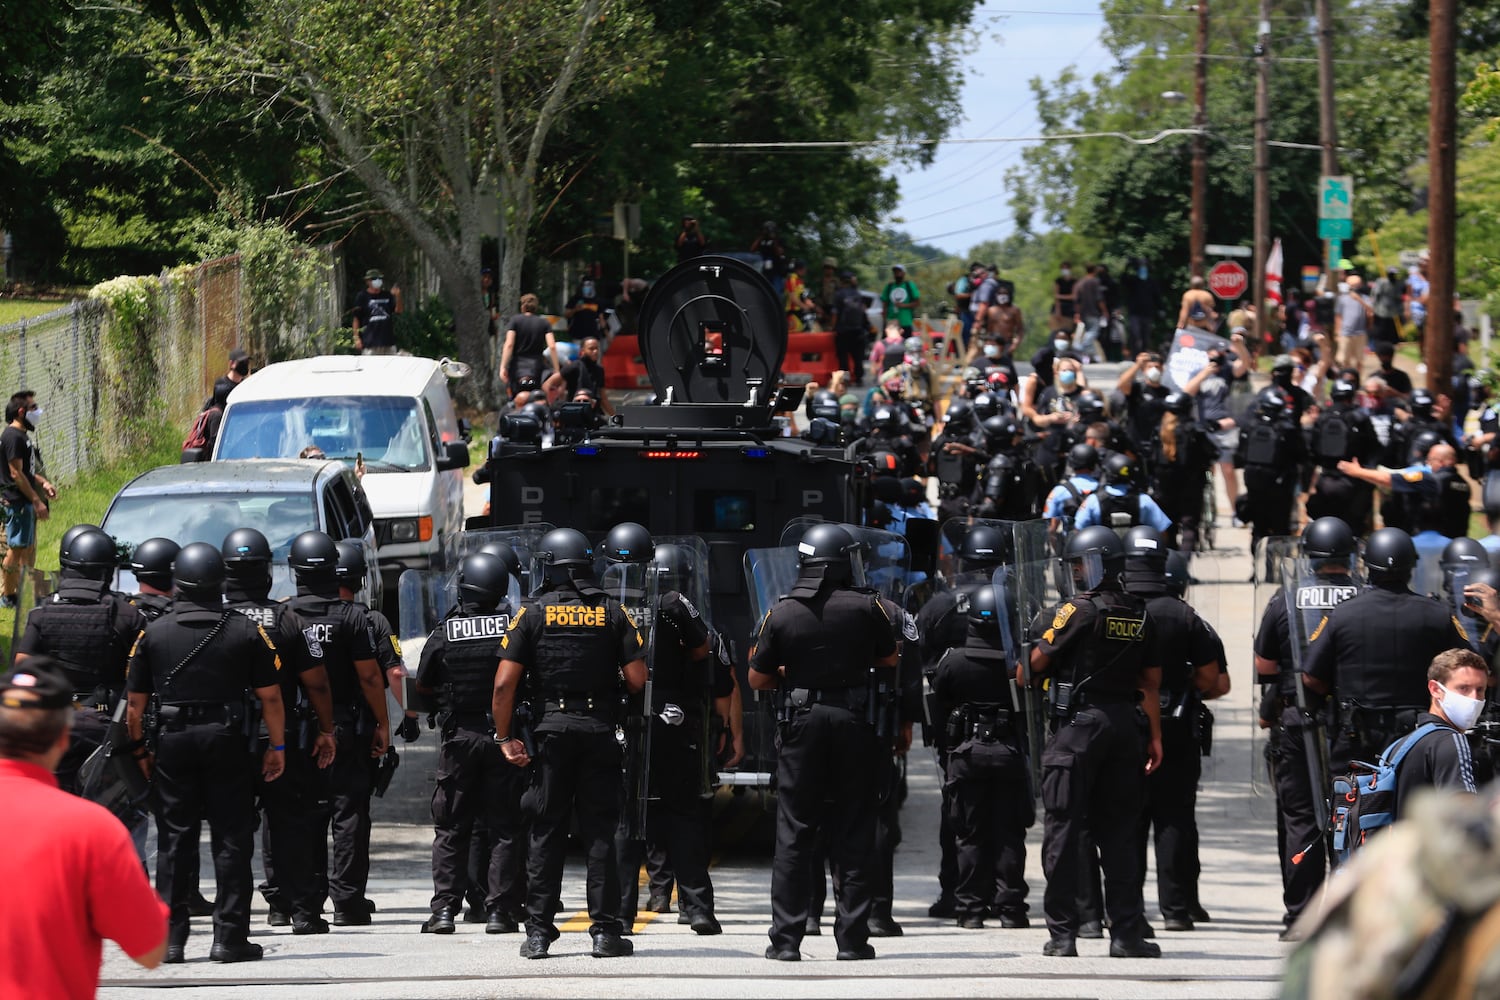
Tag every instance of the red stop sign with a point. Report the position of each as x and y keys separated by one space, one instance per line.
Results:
x=1228 y=280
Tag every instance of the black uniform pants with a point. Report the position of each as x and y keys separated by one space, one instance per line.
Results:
x=1092 y=778
x=1170 y=819
x=577 y=773
x=351 y=779
x=826 y=784
x=293 y=845
x=89 y=728
x=990 y=808
x=205 y=772
x=676 y=824
x=947 y=851
x=475 y=781
x=1305 y=860
x=882 y=877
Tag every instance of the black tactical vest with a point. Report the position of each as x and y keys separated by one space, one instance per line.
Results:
x=576 y=654
x=77 y=627
x=1109 y=666
x=471 y=654
x=153 y=606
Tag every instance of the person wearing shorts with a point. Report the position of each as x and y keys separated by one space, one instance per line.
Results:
x=21 y=490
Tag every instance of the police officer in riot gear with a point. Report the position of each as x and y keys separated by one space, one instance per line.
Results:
x=957 y=456
x=942 y=624
x=1009 y=488
x=688 y=681
x=151 y=565
x=199 y=663
x=87 y=628
x=473 y=779
x=1119 y=505
x=1370 y=653
x=987 y=788
x=1193 y=671
x=1299 y=727
x=1343 y=432
x=1099 y=649
x=350 y=574
x=572 y=645
x=293 y=846
x=1411 y=439
x=889 y=432
x=340 y=632
x=1429 y=496
x=818 y=645
x=1272 y=452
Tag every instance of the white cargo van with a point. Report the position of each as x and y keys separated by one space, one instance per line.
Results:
x=395 y=414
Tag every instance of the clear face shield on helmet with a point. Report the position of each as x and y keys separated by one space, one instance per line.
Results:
x=1087 y=570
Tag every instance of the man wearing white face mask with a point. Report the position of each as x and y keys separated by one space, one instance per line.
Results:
x=375 y=311
x=1457 y=681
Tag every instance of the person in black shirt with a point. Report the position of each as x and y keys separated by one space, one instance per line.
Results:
x=528 y=343
x=87 y=629
x=584 y=375
x=1398 y=380
x=818 y=645
x=23 y=492
x=572 y=646
x=1100 y=651
x=1456 y=681
x=200 y=661
x=239 y=370
x=690 y=240
x=375 y=312
x=851 y=327
x=985 y=775
x=340 y=632
x=585 y=313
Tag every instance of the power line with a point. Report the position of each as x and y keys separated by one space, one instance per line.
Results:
x=1152 y=140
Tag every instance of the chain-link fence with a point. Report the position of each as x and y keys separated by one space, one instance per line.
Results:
x=96 y=390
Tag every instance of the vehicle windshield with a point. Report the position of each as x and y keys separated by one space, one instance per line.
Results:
x=208 y=517
x=388 y=431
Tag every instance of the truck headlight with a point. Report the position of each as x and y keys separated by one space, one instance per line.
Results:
x=411 y=529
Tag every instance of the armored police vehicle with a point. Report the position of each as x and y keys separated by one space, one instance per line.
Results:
x=707 y=458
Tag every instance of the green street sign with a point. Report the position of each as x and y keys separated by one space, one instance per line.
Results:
x=1335 y=196
x=1335 y=229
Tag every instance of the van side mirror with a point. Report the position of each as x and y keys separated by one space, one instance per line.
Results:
x=455 y=456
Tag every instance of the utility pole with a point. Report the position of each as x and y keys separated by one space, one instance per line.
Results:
x=1328 y=130
x=1442 y=158
x=1198 y=222
x=1262 y=167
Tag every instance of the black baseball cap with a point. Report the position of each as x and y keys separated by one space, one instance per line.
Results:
x=238 y=354
x=36 y=683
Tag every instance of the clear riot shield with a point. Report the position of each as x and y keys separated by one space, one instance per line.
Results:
x=1029 y=591
x=633 y=584
x=884 y=565
x=521 y=537
x=1311 y=595
x=426 y=597
x=686 y=571
x=1266 y=564
x=1455 y=579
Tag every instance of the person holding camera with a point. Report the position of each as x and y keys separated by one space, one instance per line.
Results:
x=1212 y=386
x=690 y=240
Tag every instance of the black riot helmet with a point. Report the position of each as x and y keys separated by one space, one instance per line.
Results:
x=984 y=547
x=1083 y=458
x=483 y=581
x=1119 y=470
x=986 y=405
x=151 y=562
x=1390 y=556
x=351 y=567
x=887 y=418
x=826 y=405
x=198 y=570
x=1000 y=432
x=1089 y=406
x=70 y=535
x=1341 y=391
x=506 y=554
x=884 y=463
x=1464 y=552
x=959 y=415
x=985 y=610
x=1270 y=404
x=1096 y=554
x=245 y=549
x=1487 y=575
x=565 y=552
x=1145 y=542
x=1177 y=574
x=1422 y=403
x=1180 y=403
x=1328 y=538
x=674 y=566
x=628 y=542
x=825 y=545
x=92 y=554
x=314 y=556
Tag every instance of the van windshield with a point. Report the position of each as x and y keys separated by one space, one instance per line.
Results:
x=208 y=517
x=387 y=430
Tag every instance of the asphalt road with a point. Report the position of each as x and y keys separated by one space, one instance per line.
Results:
x=1236 y=955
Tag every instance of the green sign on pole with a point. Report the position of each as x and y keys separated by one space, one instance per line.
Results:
x=1335 y=254
x=1335 y=229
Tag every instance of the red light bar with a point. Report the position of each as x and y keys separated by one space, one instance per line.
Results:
x=671 y=454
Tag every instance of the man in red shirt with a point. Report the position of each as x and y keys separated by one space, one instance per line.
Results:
x=70 y=872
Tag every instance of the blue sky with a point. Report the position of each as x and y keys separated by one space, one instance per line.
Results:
x=958 y=201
